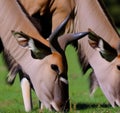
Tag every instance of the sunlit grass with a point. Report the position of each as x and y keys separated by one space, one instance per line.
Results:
x=80 y=101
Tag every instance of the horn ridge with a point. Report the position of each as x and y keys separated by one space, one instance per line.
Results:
x=59 y=28
x=54 y=36
x=66 y=39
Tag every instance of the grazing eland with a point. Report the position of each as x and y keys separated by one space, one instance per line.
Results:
x=41 y=64
x=106 y=65
x=92 y=14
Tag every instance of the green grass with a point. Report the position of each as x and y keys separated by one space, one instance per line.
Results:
x=80 y=100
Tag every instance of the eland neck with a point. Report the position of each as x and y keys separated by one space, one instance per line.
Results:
x=90 y=14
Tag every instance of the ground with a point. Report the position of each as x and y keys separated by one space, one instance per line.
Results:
x=80 y=100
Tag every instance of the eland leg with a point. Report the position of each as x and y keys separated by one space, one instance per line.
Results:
x=26 y=93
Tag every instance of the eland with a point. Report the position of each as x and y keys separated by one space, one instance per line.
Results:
x=106 y=65
x=41 y=63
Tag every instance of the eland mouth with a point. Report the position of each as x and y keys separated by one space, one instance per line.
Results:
x=60 y=108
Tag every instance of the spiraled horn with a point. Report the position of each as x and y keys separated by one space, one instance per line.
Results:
x=66 y=39
x=54 y=36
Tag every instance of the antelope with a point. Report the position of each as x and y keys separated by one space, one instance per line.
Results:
x=97 y=20
x=41 y=63
x=59 y=9
x=106 y=65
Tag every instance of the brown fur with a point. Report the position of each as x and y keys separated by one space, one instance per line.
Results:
x=56 y=9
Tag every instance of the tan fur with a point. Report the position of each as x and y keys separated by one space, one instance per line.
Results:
x=59 y=9
x=89 y=14
x=58 y=60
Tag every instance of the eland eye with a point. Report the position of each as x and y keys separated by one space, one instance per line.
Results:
x=55 y=68
x=118 y=67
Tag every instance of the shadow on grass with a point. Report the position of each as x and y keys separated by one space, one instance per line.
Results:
x=82 y=106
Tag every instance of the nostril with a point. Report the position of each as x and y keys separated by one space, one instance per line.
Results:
x=118 y=67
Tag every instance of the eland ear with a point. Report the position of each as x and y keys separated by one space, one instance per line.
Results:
x=38 y=49
x=21 y=38
x=105 y=50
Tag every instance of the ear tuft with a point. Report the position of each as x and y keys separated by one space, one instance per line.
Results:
x=22 y=41
x=93 y=44
x=106 y=51
x=38 y=49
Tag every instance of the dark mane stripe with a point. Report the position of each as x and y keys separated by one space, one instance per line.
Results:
x=108 y=15
x=43 y=24
x=1 y=45
x=12 y=66
x=35 y=21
